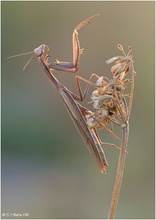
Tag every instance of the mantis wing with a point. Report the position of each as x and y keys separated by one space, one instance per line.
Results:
x=75 y=111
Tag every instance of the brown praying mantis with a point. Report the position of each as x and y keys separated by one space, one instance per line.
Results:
x=76 y=111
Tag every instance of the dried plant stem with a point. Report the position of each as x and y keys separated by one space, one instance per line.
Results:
x=120 y=171
x=132 y=92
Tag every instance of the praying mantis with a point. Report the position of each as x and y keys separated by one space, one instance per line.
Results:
x=76 y=111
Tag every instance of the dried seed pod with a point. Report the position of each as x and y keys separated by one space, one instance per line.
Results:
x=123 y=63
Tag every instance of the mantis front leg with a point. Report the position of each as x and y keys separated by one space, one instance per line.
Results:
x=71 y=66
x=58 y=65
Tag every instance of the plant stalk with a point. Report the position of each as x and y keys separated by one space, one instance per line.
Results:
x=120 y=171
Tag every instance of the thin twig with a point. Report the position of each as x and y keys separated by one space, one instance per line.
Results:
x=120 y=171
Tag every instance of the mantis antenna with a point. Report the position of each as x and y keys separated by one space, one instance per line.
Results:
x=23 y=54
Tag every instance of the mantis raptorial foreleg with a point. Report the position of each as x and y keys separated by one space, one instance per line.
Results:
x=59 y=65
x=71 y=66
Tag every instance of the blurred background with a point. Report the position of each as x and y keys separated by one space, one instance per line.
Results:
x=47 y=170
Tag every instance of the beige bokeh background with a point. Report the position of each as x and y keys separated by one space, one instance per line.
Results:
x=46 y=168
